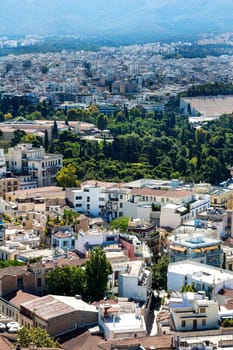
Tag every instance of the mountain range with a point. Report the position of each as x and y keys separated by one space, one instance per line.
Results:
x=112 y=18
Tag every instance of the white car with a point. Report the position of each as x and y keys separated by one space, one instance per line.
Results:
x=13 y=329
x=12 y=324
x=2 y=327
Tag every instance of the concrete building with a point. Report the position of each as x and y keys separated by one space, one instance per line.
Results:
x=2 y=163
x=63 y=240
x=94 y=198
x=24 y=159
x=204 y=277
x=95 y=238
x=121 y=320
x=135 y=282
x=173 y=215
x=59 y=314
x=202 y=315
x=135 y=247
x=8 y=184
x=197 y=248
x=37 y=199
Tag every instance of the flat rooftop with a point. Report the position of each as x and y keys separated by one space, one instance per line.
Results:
x=199 y=271
x=40 y=192
x=126 y=321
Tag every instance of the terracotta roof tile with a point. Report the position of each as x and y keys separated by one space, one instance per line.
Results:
x=159 y=342
x=19 y=297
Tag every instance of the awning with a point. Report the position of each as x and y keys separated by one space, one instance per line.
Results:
x=213 y=247
x=197 y=250
x=178 y=248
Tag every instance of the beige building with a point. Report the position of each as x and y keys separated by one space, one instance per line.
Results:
x=221 y=197
x=8 y=185
x=37 y=199
x=202 y=315
x=59 y=314
x=24 y=159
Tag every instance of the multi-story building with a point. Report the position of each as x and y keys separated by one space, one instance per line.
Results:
x=98 y=199
x=95 y=238
x=121 y=320
x=24 y=159
x=196 y=247
x=201 y=315
x=8 y=184
x=203 y=277
x=135 y=282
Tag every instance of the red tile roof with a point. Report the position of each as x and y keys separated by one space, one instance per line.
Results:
x=158 y=342
x=19 y=297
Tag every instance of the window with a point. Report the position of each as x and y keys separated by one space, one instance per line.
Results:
x=121 y=205
x=78 y=198
x=38 y=282
x=78 y=205
x=183 y=324
x=203 y=322
x=202 y=310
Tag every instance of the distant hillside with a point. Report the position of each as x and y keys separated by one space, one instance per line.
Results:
x=140 y=18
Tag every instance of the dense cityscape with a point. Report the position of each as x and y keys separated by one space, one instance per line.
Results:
x=116 y=193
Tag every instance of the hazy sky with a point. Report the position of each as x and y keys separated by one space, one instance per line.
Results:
x=114 y=17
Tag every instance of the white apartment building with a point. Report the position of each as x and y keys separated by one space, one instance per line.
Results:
x=24 y=159
x=95 y=238
x=204 y=277
x=121 y=320
x=202 y=315
x=135 y=282
x=2 y=163
x=98 y=199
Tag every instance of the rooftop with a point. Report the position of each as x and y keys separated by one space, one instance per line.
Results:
x=18 y=297
x=198 y=271
x=161 y=193
x=51 y=306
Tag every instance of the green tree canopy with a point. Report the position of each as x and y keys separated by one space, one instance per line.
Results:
x=67 y=177
x=102 y=121
x=67 y=280
x=18 y=136
x=37 y=336
x=159 y=273
x=97 y=270
x=120 y=223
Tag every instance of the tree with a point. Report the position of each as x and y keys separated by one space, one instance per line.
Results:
x=102 y=121
x=37 y=336
x=18 y=136
x=188 y=288
x=120 y=223
x=36 y=141
x=67 y=280
x=46 y=140
x=67 y=177
x=159 y=273
x=97 y=270
x=54 y=130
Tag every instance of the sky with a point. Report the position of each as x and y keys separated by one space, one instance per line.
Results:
x=113 y=18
